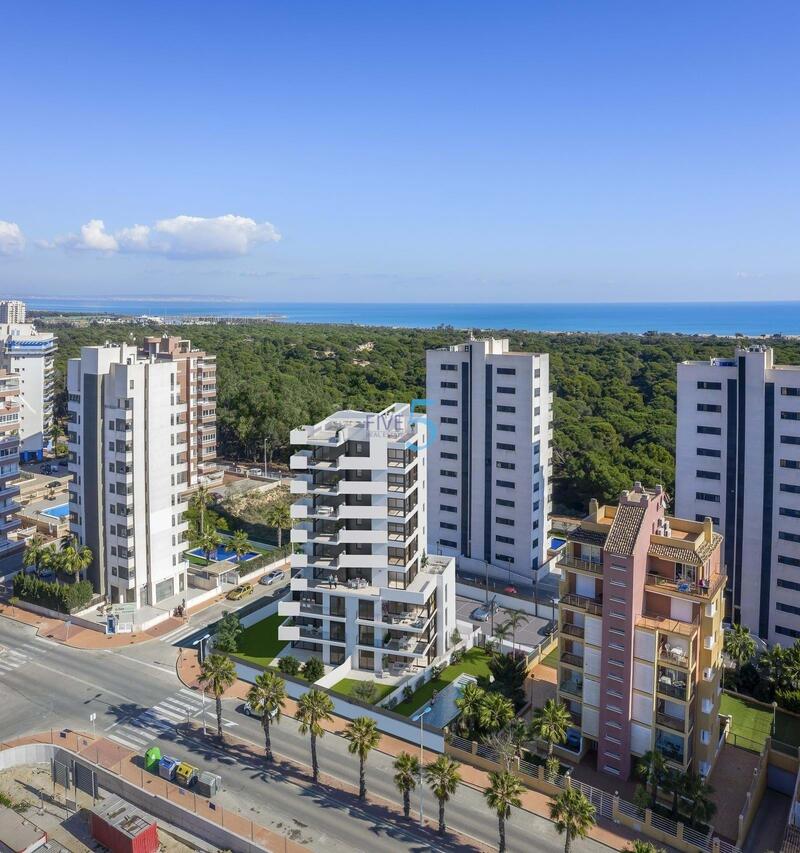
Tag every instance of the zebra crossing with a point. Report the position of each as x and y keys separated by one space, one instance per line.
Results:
x=174 y=637
x=11 y=659
x=140 y=731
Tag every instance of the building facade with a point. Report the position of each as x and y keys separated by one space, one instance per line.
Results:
x=10 y=550
x=197 y=384
x=738 y=462
x=29 y=354
x=490 y=414
x=640 y=635
x=128 y=456
x=365 y=586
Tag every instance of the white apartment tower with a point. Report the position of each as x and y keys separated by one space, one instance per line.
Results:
x=29 y=354
x=490 y=415
x=365 y=586
x=10 y=551
x=128 y=458
x=738 y=462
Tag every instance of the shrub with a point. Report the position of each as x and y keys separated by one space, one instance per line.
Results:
x=455 y=637
x=65 y=598
x=226 y=638
x=313 y=669
x=365 y=691
x=457 y=656
x=392 y=703
x=788 y=699
x=289 y=665
x=551 y=767
x=407 y=692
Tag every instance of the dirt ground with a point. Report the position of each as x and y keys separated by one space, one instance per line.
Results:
x=33 y=785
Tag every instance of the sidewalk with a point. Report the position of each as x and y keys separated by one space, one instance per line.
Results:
x=605 y=832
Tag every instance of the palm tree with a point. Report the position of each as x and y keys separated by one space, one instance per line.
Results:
x=573 y=815
x=239 y=544
x=502 y=794
x=702 y=808
x=516 y=618
x=278 y=516
x=363 y=735
x=313 y=709
x=407 y=767
x=469 y=703
x=739 y=646
x=443 y=778
x=501 y=633
x=267 y=697
x=643 y=847
x=75 y=558
x=209 y=542
x=550 y=723
x=771 y=663
x=34 y=552
x=200 y=501
x=674 y=783
x=217 y=673
x=652 y=768
x=496 y=711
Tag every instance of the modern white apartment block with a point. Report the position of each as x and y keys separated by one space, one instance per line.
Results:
x=10 y=551
x=365 y=586
x=738 y=462
x=29 y=354
x=490 y=415
x=128 y=449
x=197 y=384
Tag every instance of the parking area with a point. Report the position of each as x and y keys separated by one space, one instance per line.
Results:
x=527 y=635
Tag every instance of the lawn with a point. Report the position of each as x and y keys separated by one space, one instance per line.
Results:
x=754 y=722
x=551 y=659
x=347 y=685
x=475 y=662
x=259 y=643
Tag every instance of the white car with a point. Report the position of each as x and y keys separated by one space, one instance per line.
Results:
x=248 y=711
x=271 y=577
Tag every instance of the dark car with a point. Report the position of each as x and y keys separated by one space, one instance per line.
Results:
x=547 y=629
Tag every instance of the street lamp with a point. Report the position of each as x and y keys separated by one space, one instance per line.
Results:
x=421 y=761
x=774 y=712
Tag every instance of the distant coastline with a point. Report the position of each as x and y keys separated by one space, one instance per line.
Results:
x=692 y=318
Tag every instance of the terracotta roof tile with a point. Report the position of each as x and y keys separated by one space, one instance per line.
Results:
x=625 y=529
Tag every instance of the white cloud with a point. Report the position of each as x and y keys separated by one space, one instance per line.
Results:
x=12 y=240
x=180 y=237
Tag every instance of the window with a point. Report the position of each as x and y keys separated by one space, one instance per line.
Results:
x=707 y=430
x=508 y=409
x=790 y=392
x=506 y=428
x=789 y=537
x=448 y=526
x=706 y=496
x=449 y=384
x=444 y=437
x=504 y=558
x=508 y=466
x=504 y=484
x=787 y=632
x=790 y=513
x=449 y=455
x=445 y=491
x=445 y=473
x=709 y=386
x=506 y=389
x=506 y=540
x=508 y=521
x=708 y=407
x=449 y=367
x=790 y=416
x=789 y=561
x=703 y=451
x=788 y=487
x=708 y=475
x=447 y=508
x=507 y=371
x=714 y=518
x=790 y=463
x=448 y=402
x=504 y=502
x=789 y=584
x=449 y=420
x=502 y=445
x=787 y=608
x=790 y=439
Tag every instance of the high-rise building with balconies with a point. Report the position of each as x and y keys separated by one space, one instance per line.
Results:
x=29 y=354
x=128 y=456
x=365 y=586
x=738 y=462
x=197 y=385
x=490 y=412
x=10 y=550
x=640 y=635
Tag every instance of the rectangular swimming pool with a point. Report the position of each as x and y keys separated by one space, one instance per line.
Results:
x=60 y=511
x=443 y=708
x=223 y=553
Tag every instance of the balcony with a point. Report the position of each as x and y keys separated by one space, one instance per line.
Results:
x=572 y=686
x=671 y=747
x=571 y=630
x=595 y=568
x=571 y=659
x=673 y=684
x=686 y=585
x=668 y=721
x=593 y=606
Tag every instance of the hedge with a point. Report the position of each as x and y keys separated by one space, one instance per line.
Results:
x=65 y=598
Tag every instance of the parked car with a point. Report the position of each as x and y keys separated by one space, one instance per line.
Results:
x=271 y=577
x=54 y=484
x=240 y=592
x=510 y=590
x=248 y=711
x=481 y=614
x=547 y=629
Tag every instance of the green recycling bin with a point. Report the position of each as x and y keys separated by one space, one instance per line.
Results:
x=151 y=759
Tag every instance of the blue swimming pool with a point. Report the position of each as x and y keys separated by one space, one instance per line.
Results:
x=556 y=543
x=60 y=511
x=444 y=707
x=223 y=553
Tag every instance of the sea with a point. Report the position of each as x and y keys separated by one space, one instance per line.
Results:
x=751 y=319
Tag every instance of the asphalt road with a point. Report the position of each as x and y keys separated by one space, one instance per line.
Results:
x=139 y=701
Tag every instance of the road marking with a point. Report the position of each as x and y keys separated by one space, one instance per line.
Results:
x=170 y=715
x=159 y=666
x=99 y=688
x=179 y=634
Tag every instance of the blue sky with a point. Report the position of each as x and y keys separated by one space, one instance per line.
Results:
x=386 y=151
